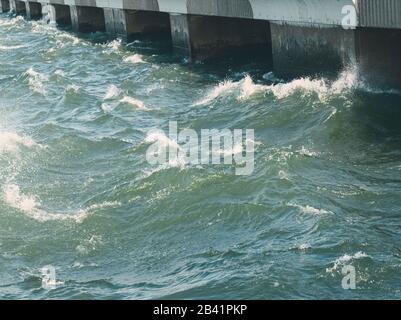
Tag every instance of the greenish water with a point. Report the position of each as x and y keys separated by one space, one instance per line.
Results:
x=77 y=193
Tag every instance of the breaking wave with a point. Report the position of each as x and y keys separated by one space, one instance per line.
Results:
x=11 y=142
x=324 y=88
x=31 y=206
x=309 y=209
x=346 y=259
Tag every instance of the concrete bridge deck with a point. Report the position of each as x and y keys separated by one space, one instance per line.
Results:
x=299 y=36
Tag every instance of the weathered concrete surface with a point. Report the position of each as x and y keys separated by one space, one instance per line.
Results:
x=4 y=5
x=130 y=24
x=299 y=50
x=180 y=34
x=203 y=37
x=371 y=13
x=379 y=13
x=115 y=22
x=379 y=53
x=33 y=10
x=12 y=5
x=87 y=19
x=307 y=12
x=60 y=14
x=18 y=7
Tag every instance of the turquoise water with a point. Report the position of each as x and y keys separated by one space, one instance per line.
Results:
x=77 y=193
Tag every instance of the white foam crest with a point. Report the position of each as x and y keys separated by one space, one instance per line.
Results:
x=112 y=92
x=246 y=87
x=67 y=36
x=134 y=102
x=222 y=88
x=249 y=88
x=347 y=80
x=9 y=48
x=162 y=139
x=306 y=85
x=59 y=73
x=106 y=107
x=280 y=155
x=11 y=22
x=309 y=209
x=306 y=152
x=73 y=88
x=36 y=81
x=136 y=58
x=112 y=46
x=31 y=206
x=304 y=246
x=11 y=142
x=283 y=175
x=345 y=259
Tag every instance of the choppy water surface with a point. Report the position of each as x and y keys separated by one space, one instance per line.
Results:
x=77 y=193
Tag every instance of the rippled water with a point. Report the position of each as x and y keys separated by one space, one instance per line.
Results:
x=77 y=193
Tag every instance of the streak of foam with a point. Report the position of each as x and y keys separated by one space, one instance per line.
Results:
x=72 y=88
x=134 y=102
x=309 y=209
x=112 y=92
x=31 y=206
x=62 y=36
x=113 y=46
x=36 y=81
x=12 y=22
x=11 y=142
x=9 y=48
x=346 y=259
x=136 y=58
x=308 y=153
x=59 y=73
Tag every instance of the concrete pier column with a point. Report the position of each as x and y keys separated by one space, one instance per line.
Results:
x=304 y=50
x=204 y=37
x=4 y=5
x=180 y=34
x=379 y=52
x=12 y=6
x=130 y=24
x=33 y=10
x=59 y=14
x=87 y=19
x=18 y=7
